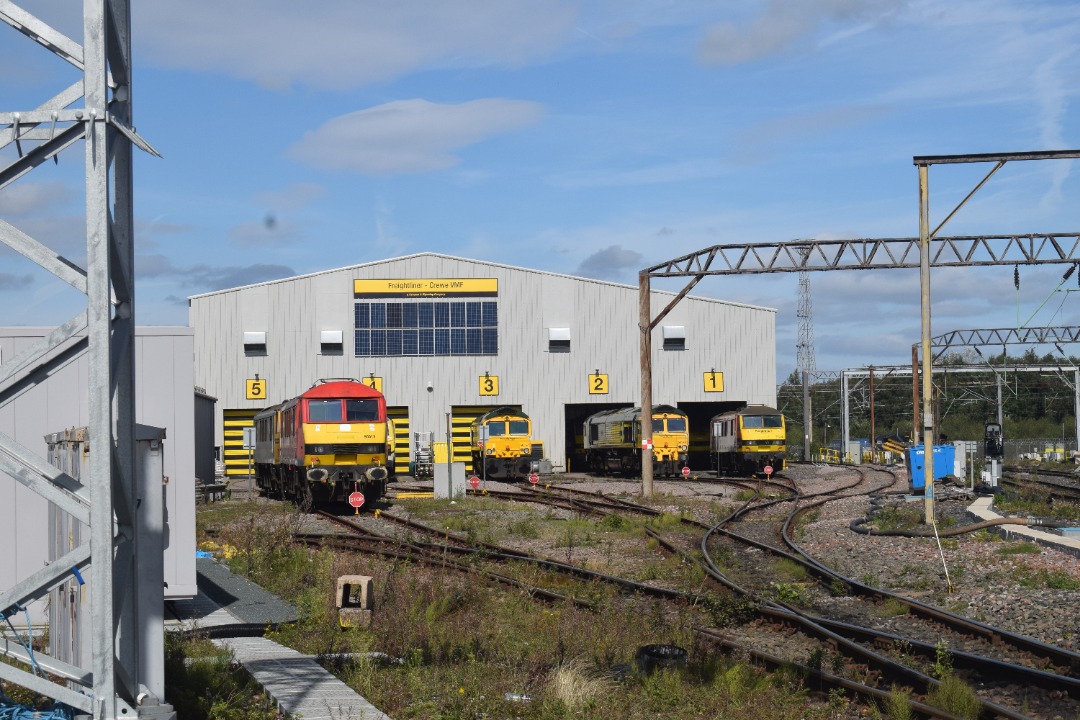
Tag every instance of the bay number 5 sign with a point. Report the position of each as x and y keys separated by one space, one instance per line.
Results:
x=256 y=389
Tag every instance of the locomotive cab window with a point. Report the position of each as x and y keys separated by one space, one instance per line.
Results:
x=658 y=425
x=676 y=424
x=519 y=427
x=324 y=411
x=361 y=410
x=496 y=429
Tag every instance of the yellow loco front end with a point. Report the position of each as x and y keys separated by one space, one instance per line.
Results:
x=671 y=440
x=502 y=443
x=762 y=440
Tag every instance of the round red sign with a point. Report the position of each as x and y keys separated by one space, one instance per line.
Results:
x=474 y=481
x=356 y=499
x=534 y=478
x=686 y=472
x=768 y=469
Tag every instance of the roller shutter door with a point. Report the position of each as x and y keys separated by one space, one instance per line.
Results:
x=402 y=438
x=237 y=459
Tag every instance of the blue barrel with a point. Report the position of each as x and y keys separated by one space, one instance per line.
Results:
x=944 y=457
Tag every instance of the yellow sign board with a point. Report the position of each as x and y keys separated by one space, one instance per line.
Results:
x=489 y=384
x=372 y=381
x=714 y=381
x=426 y=287
x=256 y=389
x=598 y=384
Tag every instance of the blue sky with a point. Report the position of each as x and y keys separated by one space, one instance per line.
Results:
x=593 y=138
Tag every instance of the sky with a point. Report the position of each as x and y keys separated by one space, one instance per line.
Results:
x=592 y=138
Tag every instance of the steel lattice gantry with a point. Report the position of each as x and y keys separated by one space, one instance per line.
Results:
x=923 y=252
x=105 y=499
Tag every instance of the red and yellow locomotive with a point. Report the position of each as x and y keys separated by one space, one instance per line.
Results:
x=328 y=442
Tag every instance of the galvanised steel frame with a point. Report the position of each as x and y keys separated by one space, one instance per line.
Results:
x=923 y=252
x=844 y=375
x=104 y=332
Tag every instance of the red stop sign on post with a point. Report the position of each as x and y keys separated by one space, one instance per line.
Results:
x=686 y=472
x=534 y=478
x=356 y=499
x=474 y=481
x=768 y=469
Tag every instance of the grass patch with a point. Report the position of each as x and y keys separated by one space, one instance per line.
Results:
x=1020 y=548
x=1037 y=578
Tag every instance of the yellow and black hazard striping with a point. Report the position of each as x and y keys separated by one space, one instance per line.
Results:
x=893 y=446
x=402 y=438
x=237 y=459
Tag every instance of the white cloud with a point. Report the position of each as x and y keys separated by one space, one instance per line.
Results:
x=781 y=26
x=409 y=136
x=341 y=44
x=28 y=198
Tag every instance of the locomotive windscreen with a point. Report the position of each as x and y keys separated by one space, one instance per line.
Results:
x=763 y=421
x=676 y=424
x=351 y=410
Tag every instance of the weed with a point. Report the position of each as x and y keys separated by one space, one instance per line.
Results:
x=838 y=587
x=954 y=696
x=898 y=705
x=793 y=594
x=790 y=569
x=1052 y=579
x=943 y=666
x=891 y=607
x=1019 y=548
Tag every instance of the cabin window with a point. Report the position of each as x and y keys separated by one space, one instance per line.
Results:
x=361 y=410
x=519 y=427
x=496 y=429
x=676 y=424
x=774 y=421
x=658 y=425
x=324 y=411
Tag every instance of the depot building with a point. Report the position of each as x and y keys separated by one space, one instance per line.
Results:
x=446 y=339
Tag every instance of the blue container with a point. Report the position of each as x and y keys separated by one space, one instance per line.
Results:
x=944 y=456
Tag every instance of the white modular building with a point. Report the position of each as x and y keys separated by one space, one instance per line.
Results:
x=164 y=398
x=446 y=339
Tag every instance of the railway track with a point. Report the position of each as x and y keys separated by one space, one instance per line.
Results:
x=835 y=616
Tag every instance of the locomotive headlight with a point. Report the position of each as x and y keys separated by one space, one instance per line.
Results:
x=319 y=450
x=682 y=447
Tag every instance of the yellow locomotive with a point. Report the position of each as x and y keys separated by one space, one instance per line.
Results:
x=325 y=444
x=746 y=441
x=613 y=441
x=501 y=442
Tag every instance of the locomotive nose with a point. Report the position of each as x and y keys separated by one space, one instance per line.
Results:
x=376 y=474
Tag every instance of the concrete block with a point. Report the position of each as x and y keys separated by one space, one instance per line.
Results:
x=354 y=591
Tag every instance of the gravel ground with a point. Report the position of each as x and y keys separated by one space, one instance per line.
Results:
x=985 y=581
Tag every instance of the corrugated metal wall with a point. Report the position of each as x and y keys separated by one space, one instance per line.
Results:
x=738 y=340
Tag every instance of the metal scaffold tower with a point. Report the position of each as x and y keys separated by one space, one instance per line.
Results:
x=104 y=499
x=806 y=359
